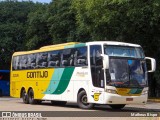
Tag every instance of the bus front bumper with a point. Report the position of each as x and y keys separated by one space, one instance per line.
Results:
x=119 y=99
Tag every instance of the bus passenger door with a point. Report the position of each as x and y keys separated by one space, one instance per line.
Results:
x=97 y=73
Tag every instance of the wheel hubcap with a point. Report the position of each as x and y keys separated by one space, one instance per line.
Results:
x=84 y=99
x=24 y=96
x=31 y=96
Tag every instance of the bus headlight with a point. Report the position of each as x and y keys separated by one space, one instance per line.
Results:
x=111 y=91
x=145 y=92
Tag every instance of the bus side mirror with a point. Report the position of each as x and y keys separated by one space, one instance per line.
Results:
x=105 y=61
x=153 y=64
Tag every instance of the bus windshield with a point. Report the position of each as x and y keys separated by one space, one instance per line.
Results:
x=124 y=51
x=127 y=67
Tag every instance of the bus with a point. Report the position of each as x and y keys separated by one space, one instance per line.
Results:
x=99 y=72
x=4 y=83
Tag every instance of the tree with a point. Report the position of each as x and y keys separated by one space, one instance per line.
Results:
x=37 y=33
x=135 y=21
x=12 y=29
x=61 y=21
x=99 y=18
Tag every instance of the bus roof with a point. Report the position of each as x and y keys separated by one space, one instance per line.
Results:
x=74 y=44
x=58 y=45
x=113 y=43
x=48 y=48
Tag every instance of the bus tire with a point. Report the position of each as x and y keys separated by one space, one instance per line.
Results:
x=25 y=97
x=118 y=106
x=0 y=93
x=82 y=101
x=59 y=103
x=31 y=97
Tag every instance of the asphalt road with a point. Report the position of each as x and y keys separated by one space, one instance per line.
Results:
x=14 y=104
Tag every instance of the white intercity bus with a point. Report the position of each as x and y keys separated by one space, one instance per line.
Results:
x=99 y=72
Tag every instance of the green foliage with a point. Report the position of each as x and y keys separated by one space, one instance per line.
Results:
x=135 y=21
x=13 y=16
x=61 y=21
x=37 y=33
x=28 y=25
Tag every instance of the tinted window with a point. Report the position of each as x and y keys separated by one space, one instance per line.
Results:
x=41 y=61
x=31 y=61
x=54 y=59
x=81 y=56
x=124 y=51
x=67 y=57
x=96 y=66
x=95 y=55
x=15 y=63
x=23 y=62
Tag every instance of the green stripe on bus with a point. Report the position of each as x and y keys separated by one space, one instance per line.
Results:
x=54 y=80
x=135 y=91
x=65 y=79
x=76 y=45
x=138 y=91
x=132 y=91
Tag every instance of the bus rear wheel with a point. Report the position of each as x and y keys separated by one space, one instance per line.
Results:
x=25 y=97
x=31 y=97
x=118 y=106
x=82 y=101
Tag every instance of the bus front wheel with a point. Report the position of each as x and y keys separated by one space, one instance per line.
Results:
x=118 y=106
x=82 y=101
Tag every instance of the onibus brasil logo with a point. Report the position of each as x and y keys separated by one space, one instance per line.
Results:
x=22 y=116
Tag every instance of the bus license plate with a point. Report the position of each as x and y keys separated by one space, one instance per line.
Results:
x=129 y=99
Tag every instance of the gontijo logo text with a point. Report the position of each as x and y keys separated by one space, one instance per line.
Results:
x=37 y=74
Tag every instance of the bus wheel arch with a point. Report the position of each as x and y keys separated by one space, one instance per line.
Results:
x=21 y=93
x=81 y=89
x=82 y=100
x=24 y=95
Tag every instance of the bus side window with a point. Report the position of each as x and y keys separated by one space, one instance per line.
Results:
x=81 y=56
x=71 y=57
x=31 y=61
x=18 y=63
x=14 y=63
x=67 y=57
x=54 y=59
x=42 y=60
x=23 y=62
